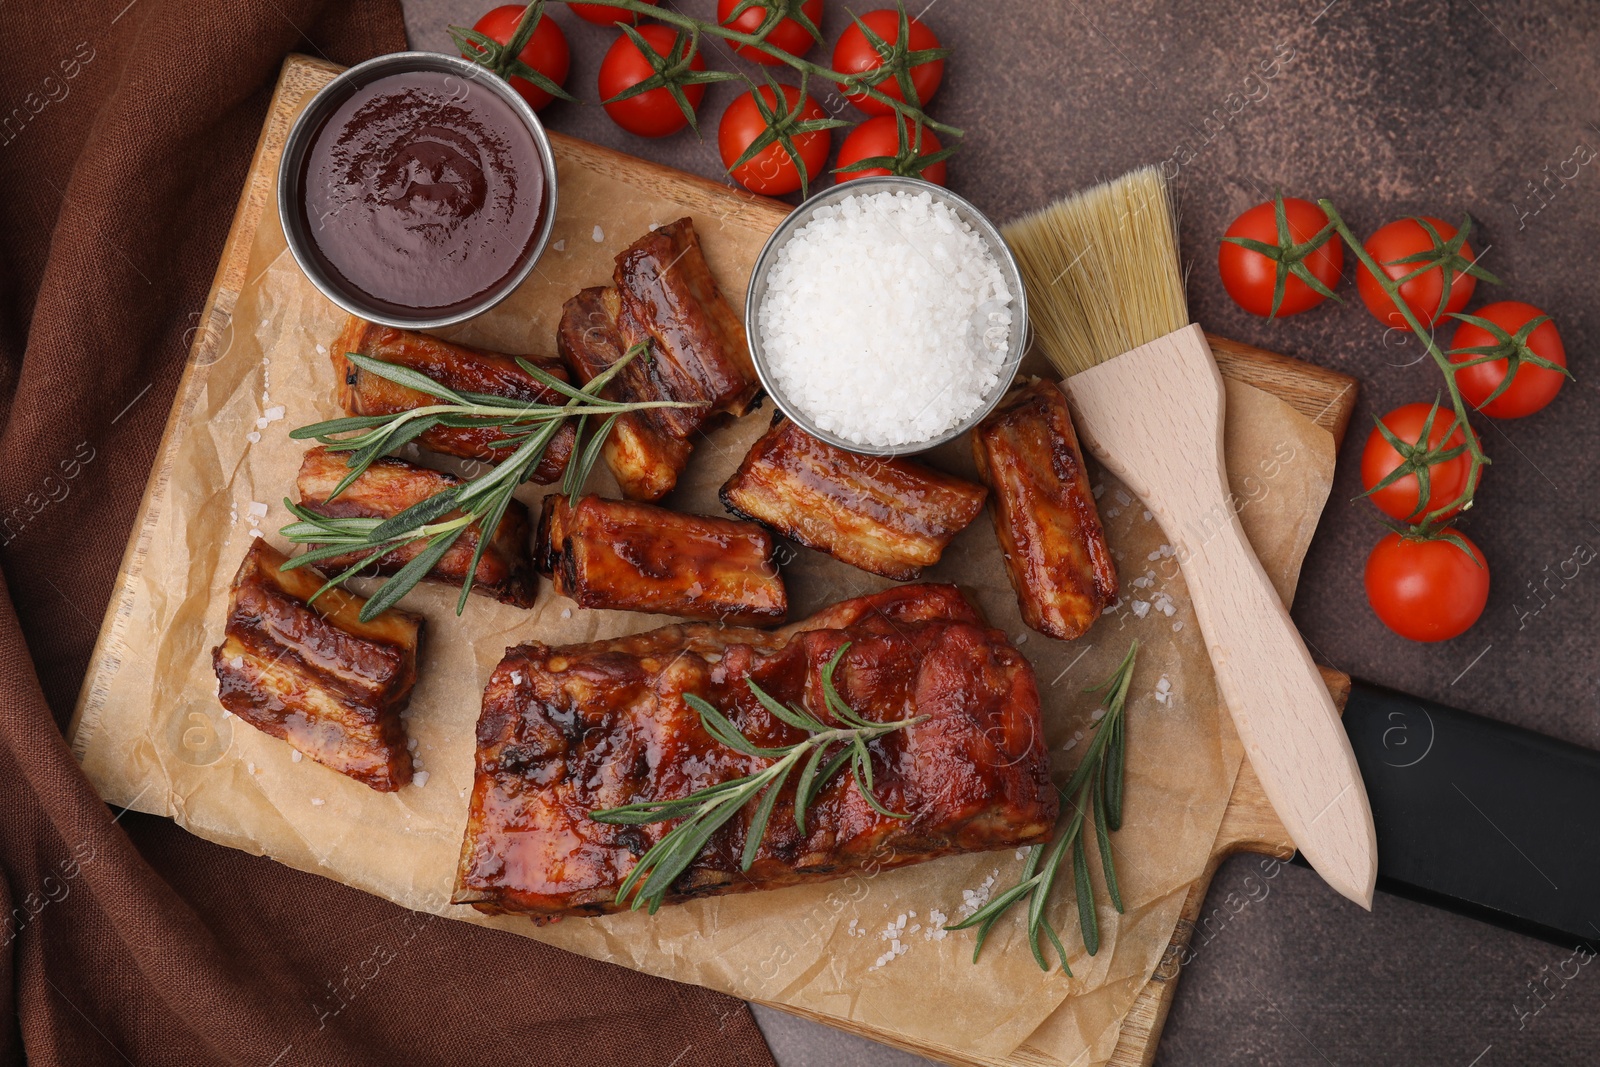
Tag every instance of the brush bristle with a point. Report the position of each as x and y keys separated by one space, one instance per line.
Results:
x=1101 y=270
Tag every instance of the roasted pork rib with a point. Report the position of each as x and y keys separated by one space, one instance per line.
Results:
x=316 y=675
x=566 y=731
x=390 y=486
x=462 y=368
x=630 y=556
x=1044 y=511
x=664 y=296
x=889 y=516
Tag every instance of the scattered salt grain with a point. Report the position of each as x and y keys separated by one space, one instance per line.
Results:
x=566 y=613
x=257 y=533
x=516 y=677
x=1163 y=693
x=1097 y=490
x=1141 y=608
x=560 y=246
x=250 y=767
x=316 y=802
x=598 y=235
x=935 y=930
x=274 y=413
x=973 y=899
x=886 y=318
x=253 y=436
x=1147 y=515
x=1123 y=498
x=256 y=510
x=322 y=350
x=420 y=779
x=237 y=663
x=296 y=756
x=1177 y=626
x=1097 y=714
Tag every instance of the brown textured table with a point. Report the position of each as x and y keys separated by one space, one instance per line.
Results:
x=1389 y=109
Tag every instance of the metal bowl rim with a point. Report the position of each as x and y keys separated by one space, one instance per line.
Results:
x=1017 y=344
x=299 y=142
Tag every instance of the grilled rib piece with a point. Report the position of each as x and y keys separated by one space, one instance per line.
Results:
x=638 y=557
x=318 y=677
x=664 y=295
x=1044 y=511
x=889 y=516
x=389 y=487
x=465 y=369
x=566 y=731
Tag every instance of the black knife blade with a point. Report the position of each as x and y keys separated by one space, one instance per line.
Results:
x=1480 y=817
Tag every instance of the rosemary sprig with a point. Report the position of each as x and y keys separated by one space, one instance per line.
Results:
x=1094 y=795
x=440 y=519
x=705 y=811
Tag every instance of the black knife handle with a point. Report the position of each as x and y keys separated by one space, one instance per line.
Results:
x=1479 y=817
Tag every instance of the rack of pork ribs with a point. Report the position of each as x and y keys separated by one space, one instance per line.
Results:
x=569 y=730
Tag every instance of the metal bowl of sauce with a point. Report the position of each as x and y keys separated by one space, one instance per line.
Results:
x=417 y=190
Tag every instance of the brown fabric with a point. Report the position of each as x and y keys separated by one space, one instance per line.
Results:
x=125 y=131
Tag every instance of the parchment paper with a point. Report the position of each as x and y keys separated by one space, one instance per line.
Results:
x=869 y=948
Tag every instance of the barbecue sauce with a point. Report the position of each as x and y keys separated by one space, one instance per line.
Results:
x=424 y=192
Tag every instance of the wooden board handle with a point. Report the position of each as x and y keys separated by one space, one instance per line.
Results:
x=1154 y=417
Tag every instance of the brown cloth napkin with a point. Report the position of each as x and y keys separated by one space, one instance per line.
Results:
x=125 y=132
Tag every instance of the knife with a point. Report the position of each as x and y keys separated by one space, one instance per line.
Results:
x=1479 y=817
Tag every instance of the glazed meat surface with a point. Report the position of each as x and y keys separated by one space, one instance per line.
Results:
x=1044 y=512
x=390 y=486
x=646 y=451
x=629 y=556
x=462 y=368
x=664 y=296
x=885 y=515
x=566 y=731
x=316 y=676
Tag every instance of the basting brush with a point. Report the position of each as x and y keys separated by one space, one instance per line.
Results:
x=1106 y=301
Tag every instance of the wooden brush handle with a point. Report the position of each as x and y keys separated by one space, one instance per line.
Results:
x=1154 y=417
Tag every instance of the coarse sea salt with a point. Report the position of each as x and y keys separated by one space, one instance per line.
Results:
x=886 y=319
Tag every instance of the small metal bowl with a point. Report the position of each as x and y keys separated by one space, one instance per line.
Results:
x=291 y=194
x=1015 y=347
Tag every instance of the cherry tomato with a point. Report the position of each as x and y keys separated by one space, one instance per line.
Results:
x=546 y=51
x=1532 y=386
x=602 y=15
x=788 y=34
x=654 y=113
x=1406 y=237
x=1251 y=277
x=877 y=137
x=854 y=53
x=1446 y=479
x=771 y=171
x=1427 y=590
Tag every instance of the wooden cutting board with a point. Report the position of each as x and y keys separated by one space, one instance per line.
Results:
x=1324 y=396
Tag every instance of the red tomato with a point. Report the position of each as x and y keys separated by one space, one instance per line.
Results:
x=1427 y=590
x=654 y=113
x=1446 y=479
x=1250 y=277
x=788 y=34
x=878 y=137
x=1532 y=386
x=1397 y=240
x=771 y=171
x=546 y=51
x=854 y=53
x=602 y=15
